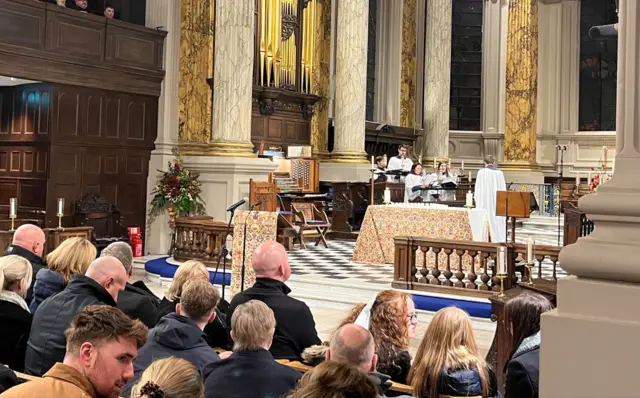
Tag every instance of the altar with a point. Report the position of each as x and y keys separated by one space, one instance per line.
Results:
x=382 y=223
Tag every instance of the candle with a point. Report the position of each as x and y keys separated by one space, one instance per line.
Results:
x=385 y=158
x=13 y=208
x=589 y=178
x=462 y=167
x=387 y=195
x=502 y=261
x=420 y=159
x=470 y=176
x=529 y=251
x=372 y=163
x=577 y=178
x=469 y=198
x=60 y=206
x=435 y=164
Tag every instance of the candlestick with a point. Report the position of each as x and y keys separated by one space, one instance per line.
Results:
x=13 y=207
x=530 y=250
x=502 y=260
x=469 y=200
x=501 y=278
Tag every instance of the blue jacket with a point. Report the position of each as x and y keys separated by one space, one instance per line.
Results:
x=48 y=283
x=173 y=336
x=465 y=383
x=249 y=374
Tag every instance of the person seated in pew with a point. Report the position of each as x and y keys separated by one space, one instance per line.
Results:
x=216 y=332
x=169 y=378
x=28 y=242
x=333 y=379
x=15 y=318
x=8 y=378
x=180 y=334
x=448 y=361
x=250 y=371
x=354 y=345
x=72 y=257
x=101 y=284
x=101 y=343
x=295 y=327
x=415 y=183
x=381 y=169
x=522 y=316
x=136 y=300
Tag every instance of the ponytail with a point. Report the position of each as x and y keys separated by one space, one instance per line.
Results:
x=15 y=268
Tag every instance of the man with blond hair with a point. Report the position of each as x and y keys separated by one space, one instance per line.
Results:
x=136 y=300
x=180 y=334
x=250 y=371
x=295 y=327
x=101 y=343
x=28 y=242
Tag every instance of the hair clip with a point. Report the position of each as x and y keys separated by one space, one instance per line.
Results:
x=152 y=390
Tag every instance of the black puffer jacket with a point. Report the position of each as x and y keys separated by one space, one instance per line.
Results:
x=465 y=383
x=47 y=343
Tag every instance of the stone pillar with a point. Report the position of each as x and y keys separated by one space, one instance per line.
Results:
x=349 y=159
x=437 y=72
x=597 y=322
x=225 y=175
x=520 y=136
x=322 y=80
x=233 y=78
x=409 y=54
x=165 y=14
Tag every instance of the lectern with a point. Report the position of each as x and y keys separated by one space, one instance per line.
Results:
x=512 y=205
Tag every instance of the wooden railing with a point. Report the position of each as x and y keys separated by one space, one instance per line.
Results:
x=576 y=224
x=463 y=267
x=199 y=238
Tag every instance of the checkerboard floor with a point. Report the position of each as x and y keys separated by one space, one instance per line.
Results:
x=335 y=263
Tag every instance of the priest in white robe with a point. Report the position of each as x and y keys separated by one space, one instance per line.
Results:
x=489 y=181
x=400 y=162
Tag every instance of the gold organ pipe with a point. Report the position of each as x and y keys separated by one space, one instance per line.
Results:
x=293 y=58
x=278 y=41
x=263 y=34
x=269 y=39
x=312 y=42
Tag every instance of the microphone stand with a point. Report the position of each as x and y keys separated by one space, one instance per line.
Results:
x=223 y=253
x=562 y=149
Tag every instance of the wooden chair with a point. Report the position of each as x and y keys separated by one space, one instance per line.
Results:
x=308 y=217
x=105 y=218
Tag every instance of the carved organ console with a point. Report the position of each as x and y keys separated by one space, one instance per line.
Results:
x=283 y=103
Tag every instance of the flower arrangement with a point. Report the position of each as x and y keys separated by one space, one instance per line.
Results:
x=177 y=190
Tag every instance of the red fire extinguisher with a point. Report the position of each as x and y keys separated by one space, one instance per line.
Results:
x=136 y=241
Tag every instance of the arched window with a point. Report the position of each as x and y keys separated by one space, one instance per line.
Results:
x=466 y=65
x=598 y=68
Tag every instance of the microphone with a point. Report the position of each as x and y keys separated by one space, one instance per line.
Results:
x=238 y=204
x=509 y=185
x=253 y=206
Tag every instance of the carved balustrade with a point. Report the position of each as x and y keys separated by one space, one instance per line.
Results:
x=576 y=224
x=199 y=238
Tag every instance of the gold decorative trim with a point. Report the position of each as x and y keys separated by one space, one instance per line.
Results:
x=228 y=149
x=408 y=75
x=525 y=166
x=321 y=84
x=348 y=157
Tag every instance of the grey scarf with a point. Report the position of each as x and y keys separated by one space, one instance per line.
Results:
x=530 y=343
x=14 y=298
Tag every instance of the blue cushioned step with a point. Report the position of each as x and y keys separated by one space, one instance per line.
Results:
x=161 y=267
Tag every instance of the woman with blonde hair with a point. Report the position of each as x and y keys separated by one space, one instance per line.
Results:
x=391 y=318
x=217 y=334
x=335 y=380
x=169 y=378
x=72 y=257
x=15 y=318
x=448 y=361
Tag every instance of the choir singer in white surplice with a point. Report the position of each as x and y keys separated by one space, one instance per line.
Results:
x=415 y=183
x=489 y=181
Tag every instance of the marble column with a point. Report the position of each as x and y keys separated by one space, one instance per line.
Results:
x=351 y=81
x=233 y=78
x=597 y=321
x=409 y=55
x=520 y=136
x=322 y=80
x=437 y=72
x=165 y=14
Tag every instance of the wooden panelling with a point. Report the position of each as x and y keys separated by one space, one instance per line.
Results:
x=132 y=45
x=22 y=23
x=25 y=112
x=33 y=193
x=74 y=34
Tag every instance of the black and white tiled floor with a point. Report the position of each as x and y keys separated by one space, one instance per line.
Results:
x=335 y=263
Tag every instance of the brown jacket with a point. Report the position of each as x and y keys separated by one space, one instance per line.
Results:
x=61 y=381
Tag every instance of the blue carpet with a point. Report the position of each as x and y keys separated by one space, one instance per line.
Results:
x=473 y=308
x=161 y=267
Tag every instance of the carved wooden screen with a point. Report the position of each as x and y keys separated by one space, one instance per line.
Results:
x=263 y=193
x=285 y=44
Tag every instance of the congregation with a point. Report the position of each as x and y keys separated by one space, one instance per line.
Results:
x=86 y=331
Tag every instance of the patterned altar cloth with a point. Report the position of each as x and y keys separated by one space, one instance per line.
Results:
x=382 y=224
x=262 y=226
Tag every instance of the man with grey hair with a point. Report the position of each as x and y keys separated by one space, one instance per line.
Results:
x=354 y=345
x=136 y=300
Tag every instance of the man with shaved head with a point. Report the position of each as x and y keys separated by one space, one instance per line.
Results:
x=101 y=284
x=295 y=327
x=28 y=242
